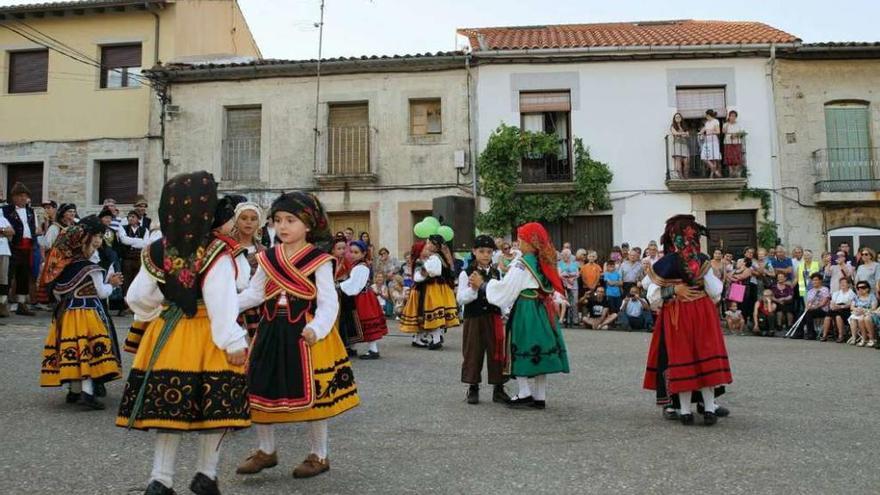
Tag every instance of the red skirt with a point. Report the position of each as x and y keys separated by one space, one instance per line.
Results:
x=687 y=350
x=370 y=315
x=733 y=155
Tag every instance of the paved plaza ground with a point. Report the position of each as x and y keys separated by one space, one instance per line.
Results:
x=804 y=420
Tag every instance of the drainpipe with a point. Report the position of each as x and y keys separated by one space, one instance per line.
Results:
x=776 y=173
x=471 y=151
x=162 y=91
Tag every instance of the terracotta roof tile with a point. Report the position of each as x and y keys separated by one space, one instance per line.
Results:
x=651 y=33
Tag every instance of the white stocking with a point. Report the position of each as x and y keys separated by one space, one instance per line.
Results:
x=266 y=436
x=540 y=387
x=524 y=389
x=374 y=346
x=685 y=399
x=317 y=433
x=436 y=335
x=209 y=454
x=708 y=399
x=163 y=458
x=88 y=386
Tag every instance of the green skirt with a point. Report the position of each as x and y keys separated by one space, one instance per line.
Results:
x=534 y=346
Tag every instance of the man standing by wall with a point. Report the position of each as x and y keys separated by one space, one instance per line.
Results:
x=140 y=206
x=21 y=216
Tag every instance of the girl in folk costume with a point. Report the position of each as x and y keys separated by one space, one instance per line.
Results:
x=79 y=350
x=431 y=307
x=188 y=374
x=246 y=230
x=532 y=287
x=370 y=317
x=297 y=338
x=224 y=230
x=687 y=352
x=350 y=329
x=483 y=329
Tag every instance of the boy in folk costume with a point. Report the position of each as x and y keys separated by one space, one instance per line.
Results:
x=297 y=337
x=79 y=349
x=370 y=317
x=431 y=307
x=687 y=352
x=483 y=328
x=188 y=373
x=535 y=347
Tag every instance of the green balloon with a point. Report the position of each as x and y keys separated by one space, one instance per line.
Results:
x=433 y=222
x=422 y=230
x=446 y=233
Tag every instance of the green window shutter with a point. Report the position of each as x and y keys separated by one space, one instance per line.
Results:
x=849 y=148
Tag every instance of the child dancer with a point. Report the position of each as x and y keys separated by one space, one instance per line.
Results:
x=188 y=372
x=79 y=350
x=431 y=307
x=535 y=347
x=483 y=329
x=297 y=338
x=349 y=326
x=366 y=303
x=687 y=352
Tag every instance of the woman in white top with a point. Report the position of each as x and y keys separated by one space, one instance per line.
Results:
x=867 y=271
x=733 y=145
x=710 y=150
x=841 y=300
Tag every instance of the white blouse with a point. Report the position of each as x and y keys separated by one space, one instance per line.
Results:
x=466 y=294
x=135 y=242
x=711 y=283
x=218 y=291
x=327 y=299
x=843 y=298
x=433 y=266
x=356 y=280
x=243 y=277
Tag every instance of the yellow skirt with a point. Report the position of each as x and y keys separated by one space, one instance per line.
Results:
x=82 y=349
x=436 y=308
x=135 y=334
x=335 y=388
x=191 y=387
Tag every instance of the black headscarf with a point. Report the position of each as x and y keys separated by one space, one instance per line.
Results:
x=310 y=211
x=59 y=213
x=226 y=209
x=186 y=213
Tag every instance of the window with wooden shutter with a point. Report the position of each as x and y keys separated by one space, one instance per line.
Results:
x=241 y=147
x=544 y=101
x=425 y=117
x=120 y=66
x=348 y=137
x=30 y=174
x=692 y=103
x=118 y=179
x=28 y=71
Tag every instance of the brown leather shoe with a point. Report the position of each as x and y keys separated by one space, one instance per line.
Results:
x=312 y=466
x=4 y=310
x=257 y=462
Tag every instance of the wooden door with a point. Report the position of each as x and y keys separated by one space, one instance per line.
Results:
x=731 y=231
x=359 y=221
x=29 y=174
x=594 y=232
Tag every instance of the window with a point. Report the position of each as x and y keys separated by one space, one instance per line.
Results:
x=348 y=137
x=849 y=142
x=118 y=179
x=119 y=63
x=424 y=117
x=28 y=71
x=30 y=174
x=692 y=103
x=241 y=147
x=548 y=112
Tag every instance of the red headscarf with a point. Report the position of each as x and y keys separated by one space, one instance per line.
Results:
x=416 y=253
x=535 y=234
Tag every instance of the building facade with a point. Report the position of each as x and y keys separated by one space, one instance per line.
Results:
x=75 y=103
x=617 y=87
x=385 y=137
x=828 y=114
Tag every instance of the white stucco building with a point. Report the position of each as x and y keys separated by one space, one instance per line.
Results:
x=617 y=87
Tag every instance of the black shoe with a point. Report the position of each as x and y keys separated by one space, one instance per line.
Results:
x=369 y=355
x=520 y=402
x=72 y=397
x=23 y=310
x=538 y=404
x=91 y=402
x=100 y=390
x=797 y=336
x=500 y=395
x=435 y=346
x=810 y=336
x=686 y=419
x=351 y=352
x=419 y=344
x=670 y=413
x=157 y=488
x=720 y=411
x=709 y=418
x=202 y=485
x=473 y=394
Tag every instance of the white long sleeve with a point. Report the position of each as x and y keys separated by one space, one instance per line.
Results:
x=713 y=286
x=135 y=242
x=243 y=267
x=255 y=293
x=356 y=280
x=655 y=298
x=328 y=302
x=503 y=293
x=144 y=297
x=466 y=294
x=104 y=289
x=218 y=290
x=50 y=236
x=432 y=265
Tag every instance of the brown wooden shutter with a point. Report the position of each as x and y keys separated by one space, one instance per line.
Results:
x=692 y=103
x=29 y=174
x=349 y=139
x=118 y=180
x=28 y=71
x=545 y=101
x=121 y=56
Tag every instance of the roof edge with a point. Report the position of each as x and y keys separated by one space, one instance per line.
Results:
x=42 y=8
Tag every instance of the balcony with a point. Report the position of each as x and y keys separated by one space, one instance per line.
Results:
x=686 y=171
x=241 y=159
x=546 y=174
x=846 y=175
x=346 y=154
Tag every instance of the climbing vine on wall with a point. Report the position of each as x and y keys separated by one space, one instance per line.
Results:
x=499 y=172
x=768 y=230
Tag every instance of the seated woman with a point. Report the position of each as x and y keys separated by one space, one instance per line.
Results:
x=783 y=296
x=861 y=320
x=817 y=306
x=841 y=300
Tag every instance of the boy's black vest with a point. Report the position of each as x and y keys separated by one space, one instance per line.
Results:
x=480 y=306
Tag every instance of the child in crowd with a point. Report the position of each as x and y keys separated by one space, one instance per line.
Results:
x=613 y=283
x=734 y=318
x=398 y=294
x=380 y=288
